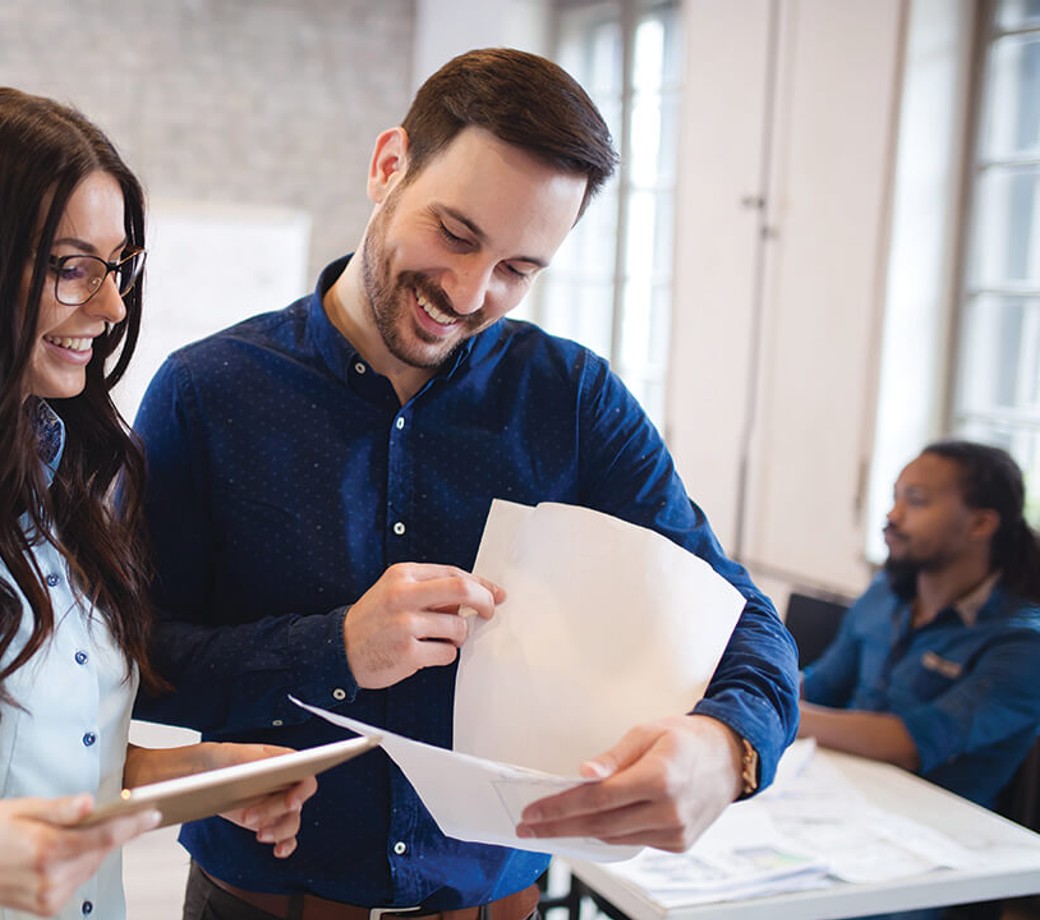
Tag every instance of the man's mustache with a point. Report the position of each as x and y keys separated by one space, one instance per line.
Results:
x=436 y=295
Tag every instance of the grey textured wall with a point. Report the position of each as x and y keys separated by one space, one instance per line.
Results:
x=267 y=102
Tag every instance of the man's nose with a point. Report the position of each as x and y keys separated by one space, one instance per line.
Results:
x=467 y=286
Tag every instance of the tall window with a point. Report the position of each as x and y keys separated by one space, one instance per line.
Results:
x=610 y=285
x=997 y=393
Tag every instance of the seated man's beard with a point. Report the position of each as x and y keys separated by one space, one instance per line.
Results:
x=902 y=576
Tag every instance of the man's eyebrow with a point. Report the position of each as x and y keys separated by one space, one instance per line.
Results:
x=482 y=236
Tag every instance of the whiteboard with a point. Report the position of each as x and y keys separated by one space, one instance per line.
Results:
x=211 y=265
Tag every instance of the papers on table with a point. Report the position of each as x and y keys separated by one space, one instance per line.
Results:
x=819 y=812
x=605 y=625
x=811 y=828
x=683 y=880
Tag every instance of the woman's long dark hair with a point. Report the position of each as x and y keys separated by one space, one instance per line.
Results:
x=46 y=150
x=990 y=478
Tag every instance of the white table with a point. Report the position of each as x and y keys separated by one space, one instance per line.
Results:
x=894 y=790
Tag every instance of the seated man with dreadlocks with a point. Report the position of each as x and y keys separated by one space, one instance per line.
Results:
x=934 y=668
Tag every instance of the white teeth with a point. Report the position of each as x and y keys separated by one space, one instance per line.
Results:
x=438 y=316
x=70 y=344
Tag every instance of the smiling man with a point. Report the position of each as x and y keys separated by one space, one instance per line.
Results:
x=934 y=667
x=319 y=480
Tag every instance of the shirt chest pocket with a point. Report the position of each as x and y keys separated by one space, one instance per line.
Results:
x=934 y=674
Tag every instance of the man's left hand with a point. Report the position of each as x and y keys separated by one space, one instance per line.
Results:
x=662 y=785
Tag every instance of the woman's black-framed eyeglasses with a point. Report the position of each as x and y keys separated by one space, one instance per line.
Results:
x=77 y=278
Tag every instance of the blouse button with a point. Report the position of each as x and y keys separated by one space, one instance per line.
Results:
x=81 y=657
x=52 y=580
x=339 y=694
x=399 y=528
x=89 y=738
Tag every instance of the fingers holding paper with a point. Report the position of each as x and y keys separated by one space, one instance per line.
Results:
x=410 y=619
x=662 y=785
x=275 y=818
x=43 y=859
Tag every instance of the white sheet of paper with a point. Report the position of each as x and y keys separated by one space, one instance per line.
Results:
x=475 y=799
x=605 y=625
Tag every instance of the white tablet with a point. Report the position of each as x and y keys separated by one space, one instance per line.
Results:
x=200 y=795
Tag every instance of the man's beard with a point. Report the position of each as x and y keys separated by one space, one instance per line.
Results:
x=389 y=300
x=902 y=576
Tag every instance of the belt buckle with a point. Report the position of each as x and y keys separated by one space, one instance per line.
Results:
x=375 y=913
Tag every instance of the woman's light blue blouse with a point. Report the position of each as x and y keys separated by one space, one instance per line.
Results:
x=71 y=734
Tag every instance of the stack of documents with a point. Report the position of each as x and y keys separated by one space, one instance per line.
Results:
x=605 y=625
x=701 y=877
x=810 y=829
x=816 y=810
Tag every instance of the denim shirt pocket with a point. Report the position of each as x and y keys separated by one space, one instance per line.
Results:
x=935 y=675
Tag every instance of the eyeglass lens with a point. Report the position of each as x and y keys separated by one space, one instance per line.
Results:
x=79 y=277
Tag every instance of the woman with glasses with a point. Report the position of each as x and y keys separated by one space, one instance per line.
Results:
x=73 y=573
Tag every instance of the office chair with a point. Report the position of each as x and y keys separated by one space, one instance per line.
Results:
x=1020 y=800
x=813 y=620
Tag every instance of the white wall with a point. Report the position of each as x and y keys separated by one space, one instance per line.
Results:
x=445 y=28
x=922 y=274
x=778 y=313
x=790 y=164
x=715 y=316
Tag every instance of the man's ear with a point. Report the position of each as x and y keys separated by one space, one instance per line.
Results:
x=388 y=164
x=984 y=523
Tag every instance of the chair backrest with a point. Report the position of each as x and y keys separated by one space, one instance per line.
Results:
x=1020 y=800
x=813 y=620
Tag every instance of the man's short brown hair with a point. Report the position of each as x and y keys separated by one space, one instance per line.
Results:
x=522 y=99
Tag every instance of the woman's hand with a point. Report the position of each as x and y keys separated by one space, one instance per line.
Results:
x=275 y=818
x=43 y=858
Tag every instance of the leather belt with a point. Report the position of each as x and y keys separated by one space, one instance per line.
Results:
x=518 y=906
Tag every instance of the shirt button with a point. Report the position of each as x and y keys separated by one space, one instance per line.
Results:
x=339 y=694
x=399 y=528
x=81 y=657
x=52 y=580
x=399 y=423
x=400 y=847
x=359 y=367
x=87 y=908
x=89 y=738
x=277 y=723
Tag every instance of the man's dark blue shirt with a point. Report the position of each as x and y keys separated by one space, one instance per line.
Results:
x=285 y=477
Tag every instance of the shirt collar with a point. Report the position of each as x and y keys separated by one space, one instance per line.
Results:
x=337 y=350
x=50 y=435
x=968 y=606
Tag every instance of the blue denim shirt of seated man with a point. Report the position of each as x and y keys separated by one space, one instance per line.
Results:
x=934 y=667
x=965 y=685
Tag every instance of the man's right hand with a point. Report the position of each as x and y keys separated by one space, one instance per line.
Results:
x=43 y=859
x=410 y=619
